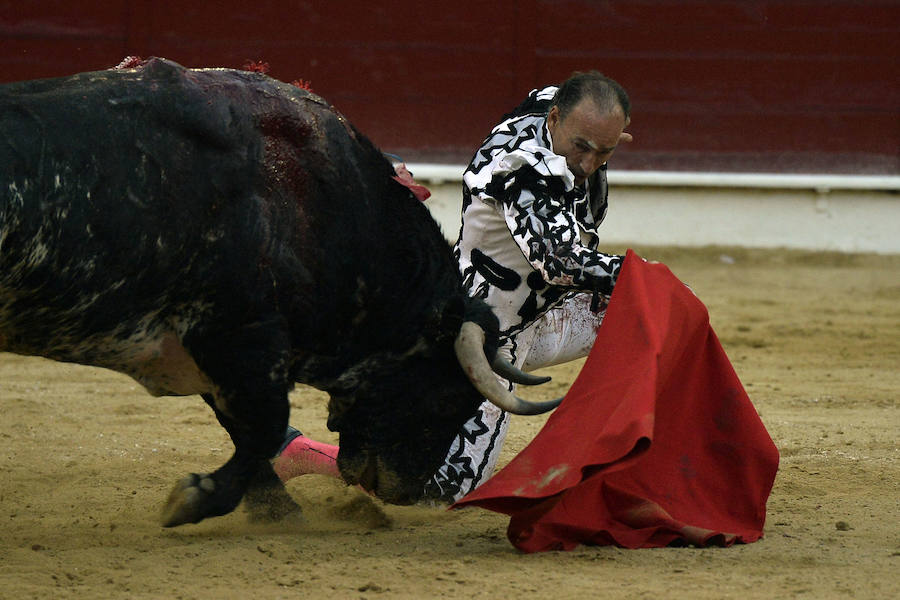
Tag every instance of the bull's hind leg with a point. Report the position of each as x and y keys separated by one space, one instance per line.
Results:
x=252 y=405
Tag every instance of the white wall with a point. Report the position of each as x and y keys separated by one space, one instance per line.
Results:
x=848 y=214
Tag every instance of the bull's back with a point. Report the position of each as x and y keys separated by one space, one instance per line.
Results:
x=116 y=161
x=125 y=197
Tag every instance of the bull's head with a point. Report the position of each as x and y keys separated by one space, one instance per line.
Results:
x=399 y=415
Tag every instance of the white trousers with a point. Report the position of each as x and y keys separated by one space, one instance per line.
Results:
x=564 y=333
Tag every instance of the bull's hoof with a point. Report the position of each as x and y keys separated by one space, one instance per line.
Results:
x=189 y=501
x=270 y=504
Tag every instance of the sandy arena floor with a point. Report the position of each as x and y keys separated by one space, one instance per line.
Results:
x=87 y=458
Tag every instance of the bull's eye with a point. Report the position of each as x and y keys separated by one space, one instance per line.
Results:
x=444 y=407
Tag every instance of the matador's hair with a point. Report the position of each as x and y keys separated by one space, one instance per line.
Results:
x=606 y=92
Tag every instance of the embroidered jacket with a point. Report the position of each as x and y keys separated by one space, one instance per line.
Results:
x=529 y=235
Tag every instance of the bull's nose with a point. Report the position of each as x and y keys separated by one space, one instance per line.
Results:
x=371 y=475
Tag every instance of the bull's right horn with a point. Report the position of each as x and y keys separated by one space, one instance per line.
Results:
x=469 y=347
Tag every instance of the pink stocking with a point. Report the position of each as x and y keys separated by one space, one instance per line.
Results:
x=303 y=456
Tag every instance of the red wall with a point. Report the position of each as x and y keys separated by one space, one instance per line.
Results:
x=779 y=86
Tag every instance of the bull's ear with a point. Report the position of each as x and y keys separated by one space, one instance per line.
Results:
x=478 y=312
x=452 y=316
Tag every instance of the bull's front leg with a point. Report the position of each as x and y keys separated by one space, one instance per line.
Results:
x=247 y=475
x=252 y=405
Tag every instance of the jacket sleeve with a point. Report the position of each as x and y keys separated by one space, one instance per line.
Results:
x=534 y=203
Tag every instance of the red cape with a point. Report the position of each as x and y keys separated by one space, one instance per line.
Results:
x=655 y=444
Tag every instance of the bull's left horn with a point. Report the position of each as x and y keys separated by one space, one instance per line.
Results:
x=469 y=347
x=510 y=372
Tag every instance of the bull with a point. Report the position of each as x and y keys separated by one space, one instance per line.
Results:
x=218 y=232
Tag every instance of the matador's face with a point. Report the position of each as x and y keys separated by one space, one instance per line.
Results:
x=587 y=136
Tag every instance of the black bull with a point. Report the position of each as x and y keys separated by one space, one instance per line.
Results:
x=218 y=232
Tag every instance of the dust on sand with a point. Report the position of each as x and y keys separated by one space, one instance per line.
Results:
x=87 y=458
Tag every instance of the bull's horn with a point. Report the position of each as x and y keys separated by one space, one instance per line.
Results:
x=508 y=371
x=469 y=346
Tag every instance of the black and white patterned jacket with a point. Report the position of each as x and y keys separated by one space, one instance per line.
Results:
x=529 y=236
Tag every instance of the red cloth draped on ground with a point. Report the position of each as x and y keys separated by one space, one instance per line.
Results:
x=657 y=442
